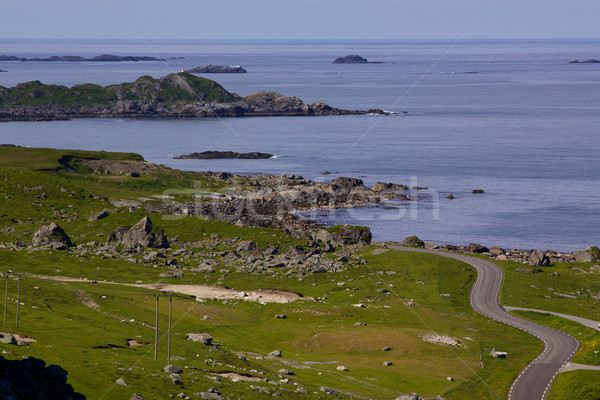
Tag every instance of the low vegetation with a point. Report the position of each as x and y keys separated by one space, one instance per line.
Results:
x=91 y=307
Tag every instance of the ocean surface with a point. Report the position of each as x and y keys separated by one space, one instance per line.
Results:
x=513 y=118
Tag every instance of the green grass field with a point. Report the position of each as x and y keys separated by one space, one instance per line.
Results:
x=86 y=327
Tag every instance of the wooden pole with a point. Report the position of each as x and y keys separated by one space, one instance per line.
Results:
x=18 y=298
x=156 y=332
x=5 y=297
x=169 y=340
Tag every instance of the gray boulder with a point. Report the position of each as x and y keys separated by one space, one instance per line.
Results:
x=589 y=254
x=51 y=234
x=173 y=369
x=477 y=248
x=538 y=259
x=412 y=396
x=275 y=353
x=98 y=215
x=141 y=234
x=136 y=396
x=329 y=391
x=203 y=338
x=8 y=339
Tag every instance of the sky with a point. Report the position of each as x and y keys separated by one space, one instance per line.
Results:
x=299 y=19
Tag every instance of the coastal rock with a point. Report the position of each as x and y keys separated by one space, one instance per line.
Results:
x=211 y=155
x=477 y=248
x=589 y=254
x=413 y=241
x=217 y=69
x=382 y=186
x=51 y=234
x=538 y=259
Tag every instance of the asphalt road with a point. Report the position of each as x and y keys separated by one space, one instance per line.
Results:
x=535 y=379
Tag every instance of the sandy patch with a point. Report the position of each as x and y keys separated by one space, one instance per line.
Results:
x=198 y=291
x=234 y=376
x=438 y=338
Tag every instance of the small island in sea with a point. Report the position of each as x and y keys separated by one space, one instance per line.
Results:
x=354 y=59
x=212 y=155
x=217 y=69
x=172 y=96
x=100 y=58
x=592 y=61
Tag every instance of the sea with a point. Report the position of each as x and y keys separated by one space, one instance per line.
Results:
x=510 y=117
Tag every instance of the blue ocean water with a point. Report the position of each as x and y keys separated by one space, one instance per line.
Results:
x=513 y=118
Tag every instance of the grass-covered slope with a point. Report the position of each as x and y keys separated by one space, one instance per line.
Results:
x=88 y=326
x=173 y=88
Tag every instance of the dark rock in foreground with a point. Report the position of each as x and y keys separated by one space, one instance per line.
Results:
x=173 y=96
x=211 y=155
x=100 y=58
x=218 y=69
x=29 y=378
x=353 y=59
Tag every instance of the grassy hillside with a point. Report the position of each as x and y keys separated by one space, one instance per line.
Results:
x=87 y=326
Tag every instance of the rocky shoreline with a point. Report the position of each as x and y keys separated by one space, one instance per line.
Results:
x=180 y=95
x=532 y=258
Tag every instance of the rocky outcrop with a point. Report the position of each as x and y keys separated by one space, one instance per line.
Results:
x=217 y=69
x=353 y=59
x=175 y=95
x=30 y=378
x=413 y=241
x=100 y=58
x=52 y=235
x=211 y=155
x=538 y=259
x=141 y=234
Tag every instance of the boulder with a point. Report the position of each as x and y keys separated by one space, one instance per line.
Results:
x=50 y=234
x=136 y=396
x=412 y=396
x=246 y=245
x=173 y=369
x=589 y=254
x=8 y=338
x=413 y=241
x=98 y=215
x=538 y=259
x=329 y=391
x=275 y=353
x=203 y=338
x=141 y=234
x=477 y=248
x=346 y=184
x=496 y=250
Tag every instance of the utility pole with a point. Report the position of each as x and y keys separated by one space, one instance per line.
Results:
x=169 y=340
x=18 y=297
x=156 y=330
x=5 y=296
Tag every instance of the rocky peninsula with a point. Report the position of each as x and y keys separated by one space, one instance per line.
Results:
x=212 y=155
x=100 y=58
x=173 y=96
x=218 y=69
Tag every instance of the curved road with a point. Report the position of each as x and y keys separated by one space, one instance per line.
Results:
x=535 y=379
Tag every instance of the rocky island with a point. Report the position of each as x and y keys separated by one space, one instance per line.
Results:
x=173 y=96
x=100 y=58
x=212 y=155
x=354 y=59
x=218 y=69
x=592 y=61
